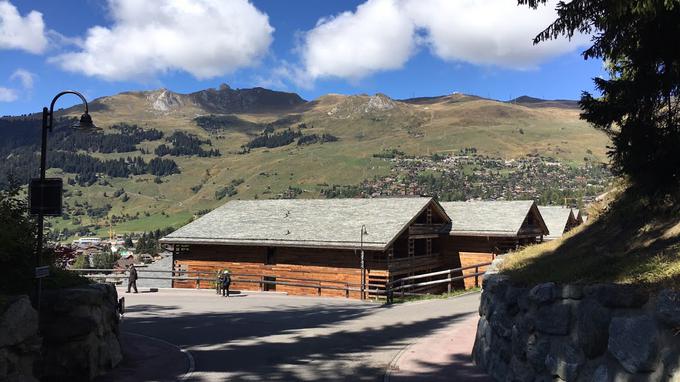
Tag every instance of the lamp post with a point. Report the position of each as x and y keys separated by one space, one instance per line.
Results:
x=363 y=267
x=37 y=197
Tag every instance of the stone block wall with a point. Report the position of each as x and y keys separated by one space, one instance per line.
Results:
x=19 y=341
x=80 y=332
x=601 y=332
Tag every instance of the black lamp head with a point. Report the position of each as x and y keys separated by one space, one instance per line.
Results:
x=85 y=123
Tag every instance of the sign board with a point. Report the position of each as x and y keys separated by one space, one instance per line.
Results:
x=45 y=196
x=41 y=272
x=121 y=306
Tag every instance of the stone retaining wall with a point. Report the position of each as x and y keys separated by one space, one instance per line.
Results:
x=600 y=332
x=80 y=332
x=19 y=340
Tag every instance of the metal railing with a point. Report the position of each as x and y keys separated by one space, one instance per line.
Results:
x=405 y=286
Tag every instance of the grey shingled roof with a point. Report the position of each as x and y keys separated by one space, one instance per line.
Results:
x=324 y=223
x=556 y=218
x=493 y=218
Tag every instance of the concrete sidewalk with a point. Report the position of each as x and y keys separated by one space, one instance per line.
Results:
x=149 y=359
x=443 y=355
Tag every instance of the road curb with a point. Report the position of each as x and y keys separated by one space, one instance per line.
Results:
x=190 y=358
x=395 y=360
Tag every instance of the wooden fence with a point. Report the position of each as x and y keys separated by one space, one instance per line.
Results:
x=405 y=286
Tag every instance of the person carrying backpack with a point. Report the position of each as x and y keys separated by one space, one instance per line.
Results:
x=226 y=281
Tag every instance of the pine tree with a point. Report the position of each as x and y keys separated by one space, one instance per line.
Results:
x=640 y=42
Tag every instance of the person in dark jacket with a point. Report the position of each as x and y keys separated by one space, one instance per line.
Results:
x=132 y=278
x=226 y=281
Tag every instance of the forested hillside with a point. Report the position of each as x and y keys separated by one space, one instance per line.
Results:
x=162 y=158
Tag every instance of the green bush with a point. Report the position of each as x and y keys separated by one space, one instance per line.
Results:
x=17 y=235
x=81 y=262
x=103 y=260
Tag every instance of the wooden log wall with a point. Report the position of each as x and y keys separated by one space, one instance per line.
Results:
x=334 y=267
x=471 y=258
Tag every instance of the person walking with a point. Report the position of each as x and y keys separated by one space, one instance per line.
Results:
x=132 y=278
x=226 y=281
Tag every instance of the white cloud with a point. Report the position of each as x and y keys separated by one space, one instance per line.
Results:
x=206 y=38
x=24 y=33
x=488 y=32
x=383 y=34
x=25 y=77
x=377 y=36
x=8 y=95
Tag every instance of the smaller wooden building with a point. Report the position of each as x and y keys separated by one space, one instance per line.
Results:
x=287 y=243
x=580 y=216
x=559 y=220
x=481 y=230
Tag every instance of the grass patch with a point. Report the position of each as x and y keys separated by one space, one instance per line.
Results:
x=454 y=293
x=633 y=240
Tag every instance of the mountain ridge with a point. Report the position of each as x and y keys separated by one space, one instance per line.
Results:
x=184 y=153
x=259 y=100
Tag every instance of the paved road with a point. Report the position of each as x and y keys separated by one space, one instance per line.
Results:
x=443 y=355
x=261 y=337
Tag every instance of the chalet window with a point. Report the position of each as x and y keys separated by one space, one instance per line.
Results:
x=420 y=247
x=271 y=256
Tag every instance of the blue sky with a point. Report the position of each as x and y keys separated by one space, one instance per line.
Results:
x=403 y=48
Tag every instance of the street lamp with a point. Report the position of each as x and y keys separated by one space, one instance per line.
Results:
x=45 y=194
x=363 y=267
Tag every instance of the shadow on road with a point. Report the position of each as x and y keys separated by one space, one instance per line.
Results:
x=320 y=342
x=458 y=368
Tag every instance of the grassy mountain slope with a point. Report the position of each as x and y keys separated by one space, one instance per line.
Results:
x=364 y=125
x=631 y=239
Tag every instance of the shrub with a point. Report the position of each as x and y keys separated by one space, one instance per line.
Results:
x=81 y=262
x=103 y=260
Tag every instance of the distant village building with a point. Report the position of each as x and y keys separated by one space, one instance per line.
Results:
x=293 y=241
x=124 y=262
x=559 y=220
x=86 y=241
x=481 y=230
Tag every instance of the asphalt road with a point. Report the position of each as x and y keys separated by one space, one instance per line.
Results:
x=261 y=337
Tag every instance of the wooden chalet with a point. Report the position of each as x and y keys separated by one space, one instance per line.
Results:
x=481 y=230
x=559 y=220
x=580 y=216
x=290 y=243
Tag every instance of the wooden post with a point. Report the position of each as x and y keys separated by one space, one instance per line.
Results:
x=198 y=281
x=476 y=277
x=449 y=285
x=347 y=290
x=319 y=292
